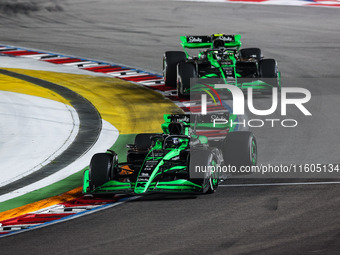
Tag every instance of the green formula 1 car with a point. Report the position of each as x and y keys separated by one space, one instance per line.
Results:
x=222 y=59
x=175 y=161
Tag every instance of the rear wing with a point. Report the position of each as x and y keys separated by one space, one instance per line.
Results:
x=204 y=41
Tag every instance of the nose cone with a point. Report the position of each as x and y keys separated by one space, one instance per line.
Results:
x=140 y=187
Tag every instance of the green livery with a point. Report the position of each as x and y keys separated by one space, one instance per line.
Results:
x=220 y=57
x=179 y=160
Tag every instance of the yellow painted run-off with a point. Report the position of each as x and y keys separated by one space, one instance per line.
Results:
x=129 y=107
x=12 y=84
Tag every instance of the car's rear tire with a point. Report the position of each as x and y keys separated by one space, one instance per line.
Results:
x=239 y=148
x=143 y=141
x=170 y=61
x=268 y=70
x=185 y=71
x=142 y=145
x=251 y=53
x=102 y=169
x=208 y=180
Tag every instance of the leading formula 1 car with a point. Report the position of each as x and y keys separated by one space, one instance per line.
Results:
x=223 y=59
x=175 y=161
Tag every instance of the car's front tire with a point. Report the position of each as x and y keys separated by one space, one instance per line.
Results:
x=200 y=161
x=102 y=169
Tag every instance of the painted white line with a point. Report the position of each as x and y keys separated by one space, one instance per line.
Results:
x=278 y=184
x=78 y=63
x=35 y=131
x=124 y=73
x=35 y=56
x=55 y=58
x=154 y=82
x=91 y=64
x=17 y=227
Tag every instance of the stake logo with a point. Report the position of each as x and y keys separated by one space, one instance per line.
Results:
x=239 y=104
x=193 y=39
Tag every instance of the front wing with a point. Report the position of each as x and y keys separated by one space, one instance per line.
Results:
x=123 y=187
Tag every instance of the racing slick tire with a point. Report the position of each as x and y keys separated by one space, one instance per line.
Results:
x=269 y=71
x=143 y=141
x=268 y=68
x=251 y=53
x=239 y=148
x=170 y=61
x=185 y=71
x=102 y=169
x=208 y=179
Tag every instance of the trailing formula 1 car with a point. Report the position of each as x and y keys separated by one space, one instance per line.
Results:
x=175 y=161
x=222 y=59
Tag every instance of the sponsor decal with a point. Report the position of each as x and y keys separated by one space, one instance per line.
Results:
x=226 y=38
x=142 y=180
x=140 y=185
x=193 y=39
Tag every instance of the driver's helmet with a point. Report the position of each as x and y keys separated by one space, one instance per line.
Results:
x=172 y=142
